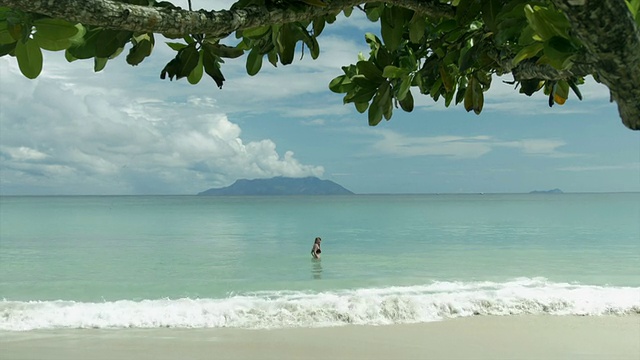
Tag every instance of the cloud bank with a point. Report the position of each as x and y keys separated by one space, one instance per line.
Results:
x=80 y=138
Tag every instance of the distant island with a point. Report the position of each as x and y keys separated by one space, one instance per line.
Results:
x=552 y=191
x=280 y=186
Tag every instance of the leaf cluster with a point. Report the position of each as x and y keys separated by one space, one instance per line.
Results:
x=451 y=58
x=454 y=59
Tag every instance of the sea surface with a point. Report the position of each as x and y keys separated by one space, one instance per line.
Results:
x=195 y=261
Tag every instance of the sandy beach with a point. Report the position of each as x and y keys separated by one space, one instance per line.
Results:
x=510 y=337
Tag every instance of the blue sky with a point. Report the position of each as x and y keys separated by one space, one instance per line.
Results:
x=125 y=131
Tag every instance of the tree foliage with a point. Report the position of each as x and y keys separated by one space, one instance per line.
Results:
x=448 y=50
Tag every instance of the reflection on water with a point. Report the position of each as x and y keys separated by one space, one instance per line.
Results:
x=316 y=269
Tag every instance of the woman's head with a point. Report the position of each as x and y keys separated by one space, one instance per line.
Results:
x=318 y=240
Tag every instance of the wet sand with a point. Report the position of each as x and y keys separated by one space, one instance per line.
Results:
x=490 y=337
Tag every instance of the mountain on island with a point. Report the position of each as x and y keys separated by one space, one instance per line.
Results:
x=280 y=186
x=552 y=191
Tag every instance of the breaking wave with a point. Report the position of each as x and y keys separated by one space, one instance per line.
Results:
x=368 y=306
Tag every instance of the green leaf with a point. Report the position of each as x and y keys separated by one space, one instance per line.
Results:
x=574 y=86
x=171 y=69
x=362 y=107
x=375 y=112
x=373 y=11
x=382 y=58
x=212 y=67
x=317 y=3
x=473 y=96
x=86 y=49
x=392 y=27
x=361 y=95
x=109 y=41
x=54 y=29
x=318 y=26
x=490 y=11
x=197 y=72
x=528 y=52
x=407 y=103
x=391 y=71
x=69 y=57
x=272 y=56
x=189 y=58
x=341 y=84
x=560 y=92
x=460 y=94
x=384 y=99
x=254 y=62
x=51 y=45
x=177 y=46
x=227 y=51
x=447 y=80
x=310 y=41
x=6 y=49
x=417 y=28
x=467 y=58
x=29 y=58
x=99 y=63
x=446 y=26
x=434 y=92
x=140 y=51
x=257 y=32
x=634 y=8
x=287 y=44
x=559 y=52
x=370 y=71
x=547 y=22
x=362 y=81
x=5 y=36
x=468 y=95
x=78 y=38
x=529 y=87
x=404 y=87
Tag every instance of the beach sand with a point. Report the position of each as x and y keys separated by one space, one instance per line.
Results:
x=480 y=337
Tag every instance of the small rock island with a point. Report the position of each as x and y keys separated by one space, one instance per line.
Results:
x=280 y=185
x=552 y=191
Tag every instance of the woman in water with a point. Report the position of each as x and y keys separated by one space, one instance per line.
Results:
x=315 y=250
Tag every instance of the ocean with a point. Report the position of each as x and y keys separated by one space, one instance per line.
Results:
x=244 y=262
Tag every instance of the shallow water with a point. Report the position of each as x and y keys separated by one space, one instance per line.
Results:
x=189 y=261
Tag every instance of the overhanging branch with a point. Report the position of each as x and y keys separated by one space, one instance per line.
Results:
x=605 y=27
x=177 y=22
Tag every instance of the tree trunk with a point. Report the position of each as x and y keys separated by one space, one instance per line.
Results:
x=609 y=32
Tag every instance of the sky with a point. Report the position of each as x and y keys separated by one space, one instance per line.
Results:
x=124 y=131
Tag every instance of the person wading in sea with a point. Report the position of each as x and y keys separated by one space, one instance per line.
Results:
x=315 y=250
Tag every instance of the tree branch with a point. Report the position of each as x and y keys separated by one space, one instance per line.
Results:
x=177 y=22
x=608 y=31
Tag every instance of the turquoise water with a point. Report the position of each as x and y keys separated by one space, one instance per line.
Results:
x=245 y=262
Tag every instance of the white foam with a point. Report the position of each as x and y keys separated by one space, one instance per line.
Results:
x=371 y=306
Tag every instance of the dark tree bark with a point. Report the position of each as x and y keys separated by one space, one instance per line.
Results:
x=177 y=22
x=612 y=39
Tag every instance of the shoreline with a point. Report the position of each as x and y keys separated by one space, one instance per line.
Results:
x=478 y=337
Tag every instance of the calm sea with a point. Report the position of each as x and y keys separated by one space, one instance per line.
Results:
x=189 y=261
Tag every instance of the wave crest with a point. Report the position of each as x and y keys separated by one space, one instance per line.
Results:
x=370 y=306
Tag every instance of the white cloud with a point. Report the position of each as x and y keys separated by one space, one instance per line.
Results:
x=460 y=147
x=589 y=168
x=545 y=147
x=23 y=153
x=81 y=138
x=395 y=144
